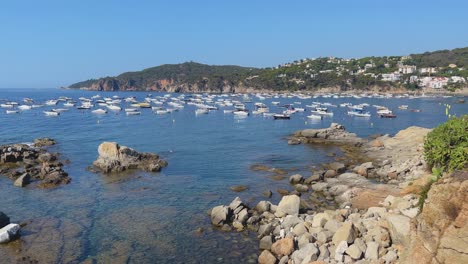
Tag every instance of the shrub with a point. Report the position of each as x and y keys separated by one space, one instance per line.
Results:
x=446 y=147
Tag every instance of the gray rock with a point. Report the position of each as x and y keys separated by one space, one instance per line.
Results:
x=242 y=216
x=313 y=178
x=324 y=252
x=284 y=260
x=360 y=244
x=319 y=187
x=372 y=251
x=299 y=229
x=340 y=250
x=266 y=258
x=295 y=179
x=289 y=205
x=306 y=254
x=347 y=232
x=338 y=189
x=301 y=188
x=291 y=221
x=264 y=230
x=235 y=203
x=304 y=239
x=411 y=213
x=399 y=228
x=332 y=225
x=23 y=180
x=4 y=219
x=219 y=215
x=263 y=206
x=330 y=174
x=354 y=252
x=337 y=166
x=9 y=232
x=266 y=242
x=320 y=219
x=390 y=257
x=324 y=236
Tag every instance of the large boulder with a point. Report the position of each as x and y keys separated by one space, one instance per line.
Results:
x=9 y=232
x=283 y=247
x=347 y=232
x=289 y=205
x=116 y=158
x=219 y=215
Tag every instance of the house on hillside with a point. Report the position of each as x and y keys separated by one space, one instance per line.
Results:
x=428 y=70
x=391 y=77
x=407 y=69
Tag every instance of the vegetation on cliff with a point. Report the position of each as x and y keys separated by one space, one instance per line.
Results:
x=446 y=147
x=304 y=74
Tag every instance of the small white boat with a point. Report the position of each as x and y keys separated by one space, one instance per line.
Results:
x=159 y=112
x=69 y=104
x=51 y=102
x=99 y=111
x=241 y=113
x=315 y=117
x=201 y=111
x=268 y=114
x=6 y=105
x=228 y=111
x=114 y=107
x=24 y=107
x=133 y=113
x=12 y=111
x=130 y=109
x=51 y=113
x=281 y=116
x=59 y=110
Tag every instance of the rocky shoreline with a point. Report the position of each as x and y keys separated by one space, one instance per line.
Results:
x=33 y=164
x=377 y=212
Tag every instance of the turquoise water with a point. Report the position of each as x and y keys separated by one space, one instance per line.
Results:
x=151 y=217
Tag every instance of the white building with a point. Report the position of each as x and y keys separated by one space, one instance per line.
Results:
x=407 y=69
x=428 y=70
x=390 y=77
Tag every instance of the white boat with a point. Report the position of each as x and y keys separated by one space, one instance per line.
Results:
x=133 y=113
x=12 y=111
x=99 y=111
x=69 y=104
x=59 y=110
x=131 y=109
x=315 y=117
x=114 y=107
x=228 y=111
x=6 y=105
x=201 y=111
x=51 y=113
x=359 y=113
x=268 y=114
x=240 y=113
x=160 y=112
x=24 y=107
x=51 y=102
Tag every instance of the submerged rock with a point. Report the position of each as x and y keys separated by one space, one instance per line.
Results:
x=44 y=142
x=116 y=158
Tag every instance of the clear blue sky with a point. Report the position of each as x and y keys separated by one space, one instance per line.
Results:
x=46 y=43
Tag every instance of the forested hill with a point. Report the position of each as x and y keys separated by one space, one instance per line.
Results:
x=306 y=74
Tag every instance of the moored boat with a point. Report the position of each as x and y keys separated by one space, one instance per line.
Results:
x=281 y=116
x=51 y=113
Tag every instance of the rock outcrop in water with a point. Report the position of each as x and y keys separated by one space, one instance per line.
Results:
x=335 y=134
x=27 y=164
x=116 y=158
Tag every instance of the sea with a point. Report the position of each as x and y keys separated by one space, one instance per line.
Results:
x=139 y=217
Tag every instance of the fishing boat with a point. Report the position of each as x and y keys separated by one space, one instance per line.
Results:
x=51 y=113
x=281 y=116
x=99 y=111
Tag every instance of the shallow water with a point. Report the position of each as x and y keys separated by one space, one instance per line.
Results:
x=151 y=217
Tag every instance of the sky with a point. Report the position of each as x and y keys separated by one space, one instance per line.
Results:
x=53 y=43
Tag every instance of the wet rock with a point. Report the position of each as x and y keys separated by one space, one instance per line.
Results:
x=263 y=206
x=283 y=247
x=9 y=232
x=330 y=174
x=295 y=179
x=301 y=188
x=266 y=258
x=267 y=193
x=319 y=187
x=219 y=215
x=313 y=178
x=116 y=158
x=294 y=141
x=283 y=192
x=23 y=180
x=43 y=142
x=337 y=166
x=238 y=188
x=289 y=205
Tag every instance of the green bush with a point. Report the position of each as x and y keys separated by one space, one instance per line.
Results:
x=446 y=147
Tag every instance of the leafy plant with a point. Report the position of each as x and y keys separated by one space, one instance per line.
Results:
x=446 y=147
